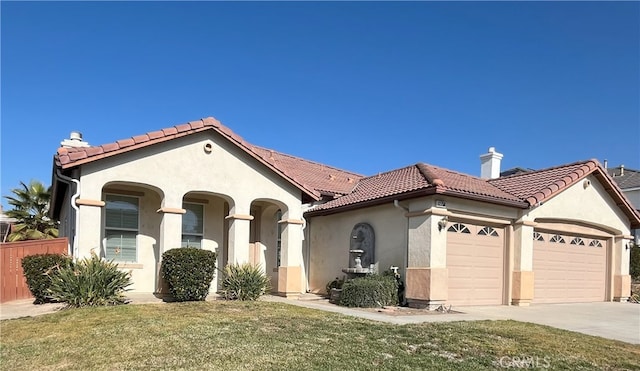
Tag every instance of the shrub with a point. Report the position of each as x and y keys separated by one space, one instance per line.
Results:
x=369 y=291
x=335 y=284
x=188 y=272
x=37 y=268
x=89 y=282
x=634 y=263
x=244 y=282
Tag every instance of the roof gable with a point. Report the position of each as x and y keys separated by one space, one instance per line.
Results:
x=313 y=179
x=538 y=186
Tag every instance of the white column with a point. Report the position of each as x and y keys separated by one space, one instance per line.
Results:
x=239 y=238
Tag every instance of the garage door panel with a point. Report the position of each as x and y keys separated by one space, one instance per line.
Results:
x=475 y=265
x=565 y=272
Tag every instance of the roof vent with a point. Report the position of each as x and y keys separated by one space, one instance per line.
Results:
x=490 y=164
x=75 y=140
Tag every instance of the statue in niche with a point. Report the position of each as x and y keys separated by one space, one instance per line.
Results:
x=362 y=247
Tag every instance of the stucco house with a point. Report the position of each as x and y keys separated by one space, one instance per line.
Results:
x=554 y=235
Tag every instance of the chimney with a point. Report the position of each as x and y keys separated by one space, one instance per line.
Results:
x=75 y=140
x=490 y=164
x=621 y=170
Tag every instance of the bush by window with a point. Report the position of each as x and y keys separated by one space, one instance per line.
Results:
x=188 y=272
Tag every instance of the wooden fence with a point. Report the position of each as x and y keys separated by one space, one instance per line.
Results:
x=13 y=284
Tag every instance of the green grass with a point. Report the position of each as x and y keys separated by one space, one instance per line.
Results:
x=274 y=336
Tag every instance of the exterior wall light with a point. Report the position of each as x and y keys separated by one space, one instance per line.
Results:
x=443 y=223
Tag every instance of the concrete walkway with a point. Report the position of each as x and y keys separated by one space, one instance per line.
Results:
x=618 y=321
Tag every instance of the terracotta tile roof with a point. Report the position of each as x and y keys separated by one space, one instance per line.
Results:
x=629 y=178
x=537 y=186
x=522 y=190
x=312 y=178
x=416 y=180
x=325 y=179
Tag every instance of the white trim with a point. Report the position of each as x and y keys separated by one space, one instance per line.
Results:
x=104 y=227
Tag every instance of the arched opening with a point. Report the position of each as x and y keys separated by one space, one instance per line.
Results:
x=130 y=230
x=204 y=225
x=265 y=240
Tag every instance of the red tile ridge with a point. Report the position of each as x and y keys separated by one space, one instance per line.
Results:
x=125 y=142
x=429 y=175
x=183 y=127
x=170 y=131
x=564 y=182
x=141 y=138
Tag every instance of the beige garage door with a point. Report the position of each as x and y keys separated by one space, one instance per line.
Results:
x=475 y=260
x=568 y=269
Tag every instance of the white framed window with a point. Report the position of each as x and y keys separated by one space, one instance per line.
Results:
x=488 y=231
x=192 y=225
x=595 y=243
x=278 y=238
x=121 y=220
x=458 y=228
x=577 y=241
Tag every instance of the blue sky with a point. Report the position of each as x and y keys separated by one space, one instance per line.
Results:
x=364 y=86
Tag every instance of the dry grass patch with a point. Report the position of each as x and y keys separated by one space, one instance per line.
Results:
x=276 y=336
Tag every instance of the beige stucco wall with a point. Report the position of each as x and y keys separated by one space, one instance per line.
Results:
x=166 y=172
x=585 y=203
x=330 y=239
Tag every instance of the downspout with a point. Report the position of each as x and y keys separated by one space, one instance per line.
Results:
x=406 y=252
x=307 y=241
x=75 y=207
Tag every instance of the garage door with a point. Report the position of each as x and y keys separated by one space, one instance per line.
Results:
x=475 y=261
x=568 y=269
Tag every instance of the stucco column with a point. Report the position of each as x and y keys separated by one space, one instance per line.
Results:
x=89 y=231
x=170 y=238
x=621 y=278
x=522 y=277
x=426 y=276
x=239 y=238
x=290 y=270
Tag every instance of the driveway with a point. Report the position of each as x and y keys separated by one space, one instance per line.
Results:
x=618 y=321
x=612 y=320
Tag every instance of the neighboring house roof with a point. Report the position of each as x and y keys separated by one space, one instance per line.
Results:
x=312 y=178
x=514 y=171
x=628 y=180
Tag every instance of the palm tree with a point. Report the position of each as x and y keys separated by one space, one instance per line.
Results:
x=30 y=207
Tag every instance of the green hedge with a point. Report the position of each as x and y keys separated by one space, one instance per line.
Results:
x=188 y=272
x=37 y=269
x=244 y=282
x=369 y=292
x=90 y=282
x=634 y=263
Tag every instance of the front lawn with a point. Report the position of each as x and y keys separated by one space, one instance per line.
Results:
x=274 y=336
